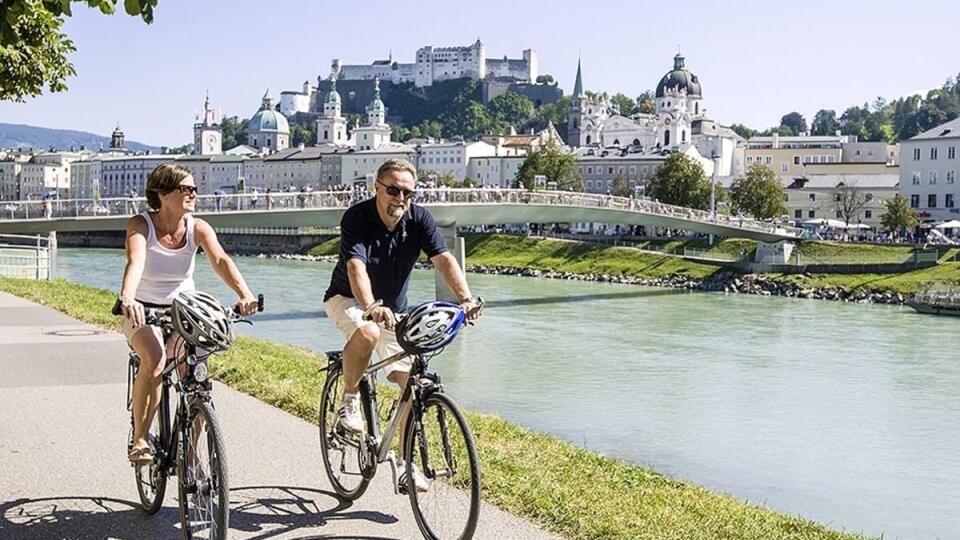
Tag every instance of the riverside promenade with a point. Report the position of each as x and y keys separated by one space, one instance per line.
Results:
x=63 y=468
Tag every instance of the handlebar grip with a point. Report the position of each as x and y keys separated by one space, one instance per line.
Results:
x=260 y=303
x=117 y=308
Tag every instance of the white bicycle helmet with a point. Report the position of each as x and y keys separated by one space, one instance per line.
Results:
x=202 y=321
x=429 y=327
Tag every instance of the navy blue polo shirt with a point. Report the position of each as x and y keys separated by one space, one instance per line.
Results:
x=389 y=255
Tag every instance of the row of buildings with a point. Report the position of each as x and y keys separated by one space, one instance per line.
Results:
x=610 y=148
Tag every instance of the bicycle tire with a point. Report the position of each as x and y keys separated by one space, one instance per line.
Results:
x=433 y=429
x=333 y=442
x=205 y=504
x=152 y=479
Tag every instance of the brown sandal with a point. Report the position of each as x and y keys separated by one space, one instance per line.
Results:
x=141 y=455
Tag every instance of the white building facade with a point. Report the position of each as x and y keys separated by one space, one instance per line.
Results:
x=928 y=172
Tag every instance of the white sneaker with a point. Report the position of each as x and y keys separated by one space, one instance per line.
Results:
x=418 y=480
x=350 y=417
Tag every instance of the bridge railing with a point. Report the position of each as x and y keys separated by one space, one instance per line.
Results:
x=274 y=201
x=25 y=256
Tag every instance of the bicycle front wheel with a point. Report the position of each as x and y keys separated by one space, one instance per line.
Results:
x=202 y=472
x=440 y=444
x=343 y=452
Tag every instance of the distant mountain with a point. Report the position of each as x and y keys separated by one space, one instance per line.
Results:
x=22 y=136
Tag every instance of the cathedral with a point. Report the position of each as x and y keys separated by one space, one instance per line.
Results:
x=332 y=126
x=679 y=122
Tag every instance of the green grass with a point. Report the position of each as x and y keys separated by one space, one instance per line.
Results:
x=903 y=283
x=562 y=488
x=328 y=247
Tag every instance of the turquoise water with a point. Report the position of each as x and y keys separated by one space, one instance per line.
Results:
x=845 y=414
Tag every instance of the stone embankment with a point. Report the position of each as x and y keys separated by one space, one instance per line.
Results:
x=731 y=282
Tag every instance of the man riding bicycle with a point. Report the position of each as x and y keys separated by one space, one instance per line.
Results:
x=380 y=241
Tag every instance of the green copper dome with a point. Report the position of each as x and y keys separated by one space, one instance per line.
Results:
x=679 y=78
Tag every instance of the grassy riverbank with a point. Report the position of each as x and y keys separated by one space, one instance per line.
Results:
x=560 y=487
x=586 y=258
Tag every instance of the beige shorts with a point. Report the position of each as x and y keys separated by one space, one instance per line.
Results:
x=347 y=315
x=129 y=331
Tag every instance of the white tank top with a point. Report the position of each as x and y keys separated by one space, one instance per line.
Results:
x=167 y=272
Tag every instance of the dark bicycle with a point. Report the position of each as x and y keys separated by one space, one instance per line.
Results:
x=189 y=443
x=437 y=436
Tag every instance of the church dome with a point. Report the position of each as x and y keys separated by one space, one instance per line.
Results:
x=333 y=97
x=679 y=78
x=267 y=119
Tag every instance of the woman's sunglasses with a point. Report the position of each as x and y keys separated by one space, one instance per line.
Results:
x=394 y=191
x=187 y=190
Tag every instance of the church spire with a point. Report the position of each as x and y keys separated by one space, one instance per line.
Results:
x=578 y=85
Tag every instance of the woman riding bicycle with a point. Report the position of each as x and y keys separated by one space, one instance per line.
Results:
x=161 y=245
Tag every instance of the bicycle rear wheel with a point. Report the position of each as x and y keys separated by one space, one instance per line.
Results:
x=440 y=443
x=343 y=452
x=152 y=478
x=202 y=471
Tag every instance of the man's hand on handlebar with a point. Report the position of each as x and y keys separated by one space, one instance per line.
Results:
x=473 y=308
x=382 y=315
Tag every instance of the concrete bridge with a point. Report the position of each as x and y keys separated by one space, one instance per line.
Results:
x=450 y=207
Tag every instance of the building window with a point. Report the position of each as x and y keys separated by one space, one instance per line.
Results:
x=916 y=177
x=609 y=170
x=948 y=200
x=813 y=196
x=916 y=154
x=933 y=177
x=868 y=214
x=811 y=213
x=933 y=153
x=769 y=160
x=951 y=152
x=749 y=160
x=589 y=170
x=932 y=200
x=786 y=197
x=951 y=176
x=796 y=160
x=798 y=213
x=784 y=167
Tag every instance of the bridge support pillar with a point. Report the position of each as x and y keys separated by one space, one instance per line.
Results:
x=52 y=253
x=456 y=246
x=774 y=253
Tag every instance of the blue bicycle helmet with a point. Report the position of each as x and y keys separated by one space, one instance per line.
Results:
x=429 y=327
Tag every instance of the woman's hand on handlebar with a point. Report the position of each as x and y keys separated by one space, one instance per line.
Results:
x=133 y=311
x=247 y=305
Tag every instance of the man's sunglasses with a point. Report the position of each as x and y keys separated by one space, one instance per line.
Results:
x=394 y=191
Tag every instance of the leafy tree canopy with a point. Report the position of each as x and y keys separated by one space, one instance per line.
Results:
x=552 y=162
x=680 y=180
x=33 y=50
x=758 y=193
x=899 y=216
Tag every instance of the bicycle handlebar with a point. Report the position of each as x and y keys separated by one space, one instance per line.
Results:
x=118 y=310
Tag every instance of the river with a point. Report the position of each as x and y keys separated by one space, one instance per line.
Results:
x=842 y=413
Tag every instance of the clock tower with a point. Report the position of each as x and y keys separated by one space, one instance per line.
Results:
x=207 y=137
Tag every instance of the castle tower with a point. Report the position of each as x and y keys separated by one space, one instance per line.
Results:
x=207 y=135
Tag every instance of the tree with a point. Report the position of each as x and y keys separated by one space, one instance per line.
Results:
x=825 y=122
x=625 y=104
x=795 y=121
x=511 y=108
x=553 y=112
x=758 y=193
x=33 y=50
x=551 y=161
x=849 y=202
x=646 y=104
x=680 y=180
x=743 y=131
x=898 y=216
x=545 y=79
x=620 y=186
x=301 y=134
x=234 y=131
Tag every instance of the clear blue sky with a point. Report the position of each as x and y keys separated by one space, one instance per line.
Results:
x=756 y=60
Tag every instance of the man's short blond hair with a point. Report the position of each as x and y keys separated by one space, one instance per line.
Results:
x=391 y=165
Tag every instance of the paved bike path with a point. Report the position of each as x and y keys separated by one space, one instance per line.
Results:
x=63 y=469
